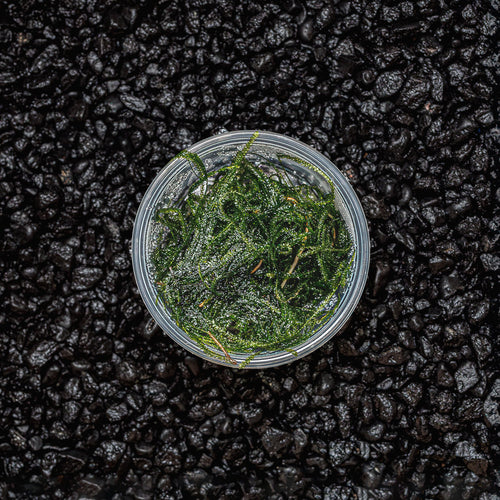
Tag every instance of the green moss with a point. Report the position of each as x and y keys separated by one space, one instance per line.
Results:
x=249 y=263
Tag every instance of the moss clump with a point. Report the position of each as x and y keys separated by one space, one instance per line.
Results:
x=248 y=263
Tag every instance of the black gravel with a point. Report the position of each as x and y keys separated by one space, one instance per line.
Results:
x=95 y=97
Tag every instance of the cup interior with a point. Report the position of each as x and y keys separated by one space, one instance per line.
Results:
x=171 y=187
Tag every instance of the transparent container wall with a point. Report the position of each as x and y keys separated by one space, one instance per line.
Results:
x=177 y=189
x=171 y=186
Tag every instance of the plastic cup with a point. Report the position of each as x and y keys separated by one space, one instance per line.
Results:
x=171 y=186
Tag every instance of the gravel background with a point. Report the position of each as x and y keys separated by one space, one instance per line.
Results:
x=95 y=97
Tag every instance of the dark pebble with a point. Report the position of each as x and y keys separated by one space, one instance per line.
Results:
x=399 y=144
x=94 y=62
x=482 y=346
x=459 y=207
x=392 y=356
x=491 y=405
x=126 y=372
x=478 y=311
x=86 y=277
x=388 y=84
x=416 y=323
x=372 y=475
x=193 y=364
x=70 y=462
x=466 y=376
x=117 y=413
x=412 y=394
x=306 y=30
x=490 y=262
x=110 y=453
x=375 y=208
x=42 y=353
x=275 y=441
x=374 y=433
x=339 y=451
x=415 y=92
x=386 y=407
x=450 y=285
x=62 y=255
x=132 y=102
x=382 y=271
x=474 y=460
x=438 y=263
x=326 y=383
x=263 y=63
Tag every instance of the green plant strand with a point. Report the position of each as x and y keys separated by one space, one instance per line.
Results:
x=253 y=262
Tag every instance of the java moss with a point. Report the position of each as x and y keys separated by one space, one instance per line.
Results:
x=248 y=262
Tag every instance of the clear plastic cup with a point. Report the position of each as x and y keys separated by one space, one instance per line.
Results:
x=171 y=186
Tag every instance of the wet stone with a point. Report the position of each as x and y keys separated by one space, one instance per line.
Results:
x=388 y=84
x=42 y=353
x=479 y=311
x=416 y=323
x=86 y=277
x=415 y=92
x=339 y=451
x=474 y=460
x=35 y=443
x=466 y=376
x=275 y=441
x=491 y=405
x=110 y=452
x=382 y=271
x=450 y=285
x=326 y=383
x=470 y=409
x=459 y=207
x=444 y=378
x=490 y=262
x=193 y=364
x=90 y=486
x=278 y=34
x=46 y=199
x=253 y=416
x=263 y=63
x=62 y=255
x=132 y=102
x=372 y=475
x=412 y=394
x=306 y=30
x=94 y=62
x=126 y=372
x=392 y=356
x=386 y=407
x=375 y=208
x=70 y=462
x=482 y=347
x=117 y=412
x=374 y=433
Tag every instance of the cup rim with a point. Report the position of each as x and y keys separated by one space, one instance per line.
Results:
x=361 y=259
